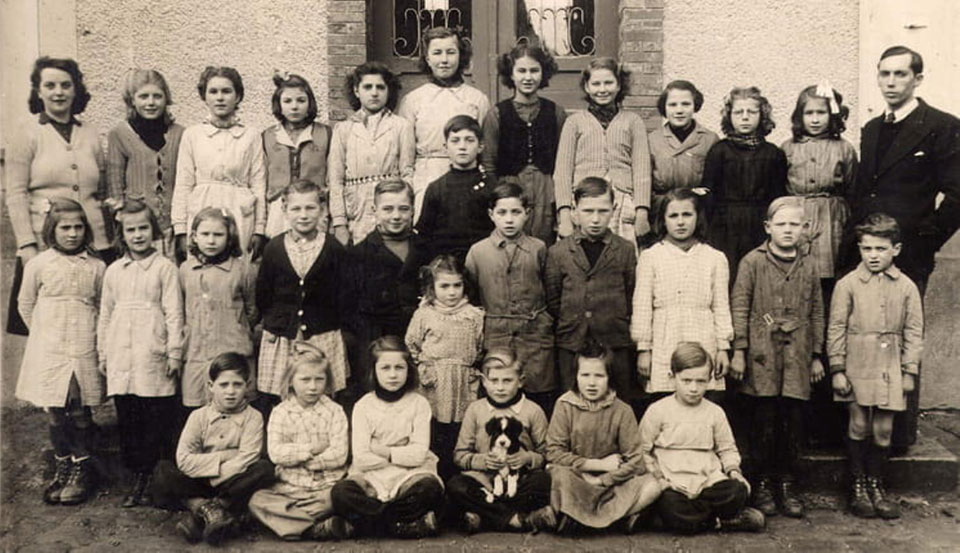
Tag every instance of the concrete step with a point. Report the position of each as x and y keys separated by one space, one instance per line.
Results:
x=926 y=467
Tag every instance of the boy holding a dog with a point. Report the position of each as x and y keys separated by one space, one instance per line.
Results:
x=501 y=451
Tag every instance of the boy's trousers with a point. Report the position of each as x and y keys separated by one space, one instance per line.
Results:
x=171 y=487
x=722 y=500
x=533 y=492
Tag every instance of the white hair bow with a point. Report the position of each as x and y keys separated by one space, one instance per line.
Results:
x=824 y=90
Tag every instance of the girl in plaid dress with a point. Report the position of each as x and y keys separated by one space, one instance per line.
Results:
x=58 y=301
x=681 y=295
x=307 y=441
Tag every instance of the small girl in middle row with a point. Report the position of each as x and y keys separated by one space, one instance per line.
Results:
x=508 y=268
x=445 y=338
x=218 y=300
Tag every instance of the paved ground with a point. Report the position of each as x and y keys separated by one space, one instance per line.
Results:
x=930 y=522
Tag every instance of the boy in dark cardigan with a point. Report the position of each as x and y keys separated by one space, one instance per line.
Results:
x=303 y=291
x=589 y=286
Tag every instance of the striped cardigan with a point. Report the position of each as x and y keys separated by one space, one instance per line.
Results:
x=618 y=153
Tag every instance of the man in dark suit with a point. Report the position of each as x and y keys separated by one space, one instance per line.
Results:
x=909 y=156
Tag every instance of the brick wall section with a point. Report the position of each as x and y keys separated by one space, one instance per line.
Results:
x=641 y=51
x=346 y=49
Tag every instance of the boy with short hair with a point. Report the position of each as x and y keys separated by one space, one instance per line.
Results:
x=454 y=214
x=218 y=457
x=384 y=268
x=589 y=283
x=688 y=445
x=874 y=341
x=530 y=507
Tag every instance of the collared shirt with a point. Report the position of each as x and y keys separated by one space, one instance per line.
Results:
x=220 y=307
x=679 y=164
x=58 y=301
x=294 y=430
x=903 y=111
x=364 y=146
x=209 y=154
x=141 y=325
x=303 y=252
x=876 y=322
x=209 y=433
x=680 y=296
x=777 y=310
x=509 y=274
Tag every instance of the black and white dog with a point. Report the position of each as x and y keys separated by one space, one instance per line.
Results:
x=504 y=435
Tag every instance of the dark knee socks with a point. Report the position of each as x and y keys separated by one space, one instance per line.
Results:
x=60 y=439
x=877 y=461
x=83 y=433
x=856 y=452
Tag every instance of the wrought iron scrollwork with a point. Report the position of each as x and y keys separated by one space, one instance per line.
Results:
x=564 y=26
x=413 y=18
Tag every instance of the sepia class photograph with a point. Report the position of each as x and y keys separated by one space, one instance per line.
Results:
x=479 y=275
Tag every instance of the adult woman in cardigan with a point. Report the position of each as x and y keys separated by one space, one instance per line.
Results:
x=220 y=164
x=57 y=157
x=142 y=151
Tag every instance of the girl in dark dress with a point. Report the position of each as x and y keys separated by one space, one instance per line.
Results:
x=743 y=173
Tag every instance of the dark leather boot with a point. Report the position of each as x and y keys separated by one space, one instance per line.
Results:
x=884 y=507
x=51 y=494
x=860 y=504
x=788 y=502
x=137 y=492
x=80 y=484
x=763 y=498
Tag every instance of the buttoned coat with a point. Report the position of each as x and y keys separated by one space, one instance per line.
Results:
x=778 y=318
x=922 y=162
x=594 y=301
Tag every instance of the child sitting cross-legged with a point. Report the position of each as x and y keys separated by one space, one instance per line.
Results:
x=218 y=458
x=307 y=439
x=688 y=445
x=473 y=489
x=593 y=447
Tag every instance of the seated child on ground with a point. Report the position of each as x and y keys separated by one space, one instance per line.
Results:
x=218 y=457
x=593 y=447
x=472 y=490
x=307 y=439
x=392 y=488
x=688 y=446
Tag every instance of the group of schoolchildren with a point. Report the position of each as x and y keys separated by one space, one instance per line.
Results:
x=477 y=262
